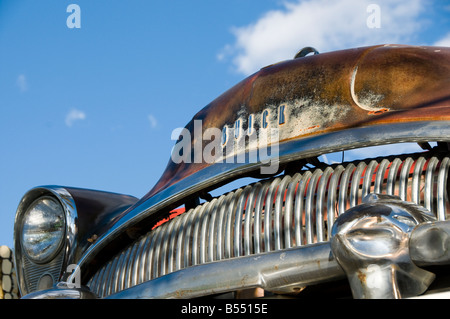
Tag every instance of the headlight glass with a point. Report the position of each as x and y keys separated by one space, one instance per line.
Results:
x=43 y=229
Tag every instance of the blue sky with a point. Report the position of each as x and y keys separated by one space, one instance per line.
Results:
x=95 y=106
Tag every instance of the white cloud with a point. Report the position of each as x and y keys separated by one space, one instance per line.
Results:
x=153 y=121
x=22 y=83
x=74 y=115
x=444 y=42
x=324 y=24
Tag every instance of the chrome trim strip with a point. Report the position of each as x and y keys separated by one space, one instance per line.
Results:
x=61 y=293
x=434 y=295
x=288 y=151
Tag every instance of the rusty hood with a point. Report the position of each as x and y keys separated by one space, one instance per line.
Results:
x=322 y=93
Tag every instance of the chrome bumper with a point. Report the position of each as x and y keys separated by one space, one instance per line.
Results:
x=282 y=271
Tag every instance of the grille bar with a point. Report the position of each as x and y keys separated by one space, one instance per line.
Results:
x=273 y=215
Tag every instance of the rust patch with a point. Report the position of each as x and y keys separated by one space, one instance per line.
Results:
x=181 y=293
x=361 y=277
x=93 y=238
x=313 y=127
x=378 y=112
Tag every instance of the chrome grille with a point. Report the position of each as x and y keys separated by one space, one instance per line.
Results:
x=302 y=209
x=33 y=272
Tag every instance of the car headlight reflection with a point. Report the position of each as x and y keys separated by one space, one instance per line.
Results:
x=43 y=229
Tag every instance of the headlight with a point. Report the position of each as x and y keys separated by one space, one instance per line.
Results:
x=43 y=229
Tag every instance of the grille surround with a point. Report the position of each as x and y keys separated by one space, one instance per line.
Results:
x=34 y=272
x=304 y=207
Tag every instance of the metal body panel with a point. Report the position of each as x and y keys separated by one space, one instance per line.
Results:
x=97 y=211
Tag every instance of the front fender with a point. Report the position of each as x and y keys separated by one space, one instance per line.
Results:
x=88 y=214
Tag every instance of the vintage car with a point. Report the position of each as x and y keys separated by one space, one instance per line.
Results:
x=365 y=228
